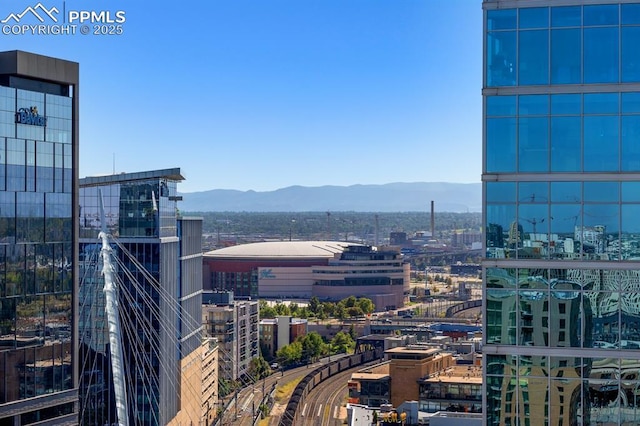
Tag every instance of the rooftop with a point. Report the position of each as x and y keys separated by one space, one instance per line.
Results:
x=458 y=373
x=171 y=174
x=281 y=250
x=368 y=376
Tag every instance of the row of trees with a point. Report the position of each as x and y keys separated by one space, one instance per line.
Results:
x=350 y=307
x=312 y=346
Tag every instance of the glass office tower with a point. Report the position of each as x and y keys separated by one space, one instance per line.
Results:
x=561 y=188
x=38 y=239
x=159 y=267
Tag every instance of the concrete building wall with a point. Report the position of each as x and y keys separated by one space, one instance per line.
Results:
x=190 y=396
x=289 y=282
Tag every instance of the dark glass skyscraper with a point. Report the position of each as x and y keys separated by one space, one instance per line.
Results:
x=158 y=262
x=561 y=183
x=38 y=239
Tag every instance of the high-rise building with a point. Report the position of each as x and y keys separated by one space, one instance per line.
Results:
x=561 y=182
x=38 y=239
x=234 y=323
x=158 y=264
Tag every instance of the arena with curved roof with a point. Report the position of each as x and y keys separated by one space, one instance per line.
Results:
x=330 y=270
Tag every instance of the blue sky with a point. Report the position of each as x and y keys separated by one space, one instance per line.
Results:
x=263 y=95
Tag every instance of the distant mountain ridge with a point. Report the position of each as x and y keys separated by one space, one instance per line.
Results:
x=390 y=197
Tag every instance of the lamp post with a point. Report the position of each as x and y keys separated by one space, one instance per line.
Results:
x=291 y=228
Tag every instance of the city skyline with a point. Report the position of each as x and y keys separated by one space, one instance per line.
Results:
x=296 y=93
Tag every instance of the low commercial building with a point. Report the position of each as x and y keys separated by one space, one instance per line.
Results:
x=278 y=332
x=424 y=374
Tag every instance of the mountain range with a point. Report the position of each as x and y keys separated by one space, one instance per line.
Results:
x=390 y=197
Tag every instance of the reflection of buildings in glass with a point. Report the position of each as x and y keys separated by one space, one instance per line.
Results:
x=494 y=236
x=160 y=324
x=515 y=235
x=562 y=328
x=38 y=156
x=592 y=238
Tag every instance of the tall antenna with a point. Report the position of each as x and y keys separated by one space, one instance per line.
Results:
x=114 y=163
x=433 y=221
x=329 y=226
x=377 y=230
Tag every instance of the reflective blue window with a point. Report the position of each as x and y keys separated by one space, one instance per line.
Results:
x=601 y=145
x=501 y=58
x=565 y=218
x=600 y=58
x=501 y=106
x=566 y=192
x=601 y=103
x=501 y=145
x=566 y=134
x=630 y=102
x=566 y=46
x=566 y=104
x=533 y=105
x=601 y=192
x=499 y=217
x=501 y=192
x=533 y=144
x=534 y=17
x=630 y=214
x=533 y=218
x=501 y=19
x=533 y=58
x=631 y=193
x=570 y=16
x=630 y=53
x=533 y=192
x=606 y=215
x=630 y=14
x=630 y=141
x=601 y=15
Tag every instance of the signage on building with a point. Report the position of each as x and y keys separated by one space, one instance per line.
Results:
x=267 y=273
x=30 y=116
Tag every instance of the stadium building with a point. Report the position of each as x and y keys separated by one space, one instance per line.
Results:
x=329 y=270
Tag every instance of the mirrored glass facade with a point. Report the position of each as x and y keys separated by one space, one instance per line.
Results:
x=38 y=243
x=561 y=187
x=160 y=326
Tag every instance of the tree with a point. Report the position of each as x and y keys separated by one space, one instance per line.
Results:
x=343 y=343
x=366 y=305
x=340 y=312
x=349 y=302
x=268 y=312
x=282 y=309
x=259 y=368
x=293 y=309
x=312 y=346
x=314 y=305
x=290 y=354
x=355 y=311
x=352 y=332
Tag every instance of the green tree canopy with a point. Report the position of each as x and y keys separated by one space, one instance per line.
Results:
x=313 y=346
x=342 y=343
x=290 y=354
x=259 y=368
